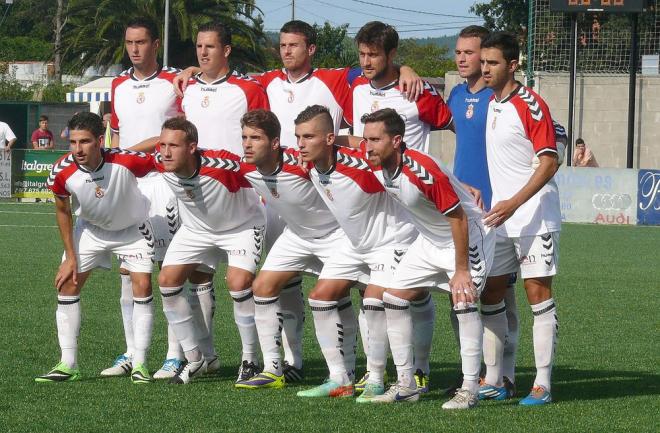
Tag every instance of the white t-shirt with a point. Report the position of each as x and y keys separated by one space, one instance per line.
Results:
x=518 y=128
x=140 y=107
x=327 y=87
x=429 y=192
x=429 y=111
x=216 y=109
x=290 y=192
x=365 y=211
x=217 y=198
x=6 y=135
x=107 y=197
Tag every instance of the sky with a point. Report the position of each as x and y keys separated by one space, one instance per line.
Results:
x=426 y=18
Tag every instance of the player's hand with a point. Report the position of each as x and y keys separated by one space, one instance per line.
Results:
x=302 y=164
x=501 y=212
x=180 y=82
x=476 y=193
x=462 y=288
x=410 y=83
x=68 y=270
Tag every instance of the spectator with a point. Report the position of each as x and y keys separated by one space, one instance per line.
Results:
x=7 y=137
x=42 y=138
x=583 y=156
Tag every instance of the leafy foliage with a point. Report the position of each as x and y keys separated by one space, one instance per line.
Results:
x=428 y=60
x=23 y=48
x=503 y=15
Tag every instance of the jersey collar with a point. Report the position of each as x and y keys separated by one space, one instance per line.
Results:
x=385 y=87
x=221 y=80
x=329 y=171
x=399 y=169
x=87 y=170
x=305 y=77
x=131 y=73
x=513 y=93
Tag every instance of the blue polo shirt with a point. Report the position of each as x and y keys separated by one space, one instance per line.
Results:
x=469 y=111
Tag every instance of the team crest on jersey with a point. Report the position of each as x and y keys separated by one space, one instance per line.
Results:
x=374 y=106
x=329 y=194
x=190 y=194
x=469 y=112
x=274 y=193
x=99 y=193
x=206 y=102
x=291 y=96
x=494 y=122
x=140 y=98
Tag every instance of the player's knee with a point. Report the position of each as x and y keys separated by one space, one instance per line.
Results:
x=237 y=281
x=167 y=278
x=538 y=289
x=198 y=277
x=261 y=286
x=408 y=294
x=325 y=291
x=142 y=286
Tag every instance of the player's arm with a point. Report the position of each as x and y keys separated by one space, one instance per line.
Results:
x=69 y=267
x=476 y=193
x=115 y=140
x=410 y=83
x=146 y=146
x=10 y=143
x=462 y=288
x=503 y=210
x=348 y=141
x=180 y=82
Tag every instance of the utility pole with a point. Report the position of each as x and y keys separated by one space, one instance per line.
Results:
x=166 y=33
x=57 y=61
x=293 y=10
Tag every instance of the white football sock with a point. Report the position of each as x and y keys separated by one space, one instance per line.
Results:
x=495 y=328
x=244 y=318
x=202 y=304
x=423 y=318
x=126 y=303
x=364 y=328
x=401 y=336
x=511 y=342
x=179 y=316
x=67 y=317
x=329 y=334
x=374 y=312
x=143 y=324
x=293 y=312
x=269 y=321
x=454 y=326
x=471 y=332
x=349 y=321
x=174 y=350
x=545 y=339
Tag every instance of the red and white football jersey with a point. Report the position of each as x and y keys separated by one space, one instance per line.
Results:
x=216 y=109
x=140 y=107
x=217 y=198
x=107 y=197
x=517 y=128
x=290 y=192
x=327 y=87
x=428 y=192
x=428 y=112
x=365 y=211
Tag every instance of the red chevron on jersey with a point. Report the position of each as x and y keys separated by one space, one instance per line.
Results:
x=424 y=173
x=353 y=164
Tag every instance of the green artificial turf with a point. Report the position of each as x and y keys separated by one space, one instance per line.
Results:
x=605 y=377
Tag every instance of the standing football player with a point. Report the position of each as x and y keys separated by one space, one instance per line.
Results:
x=525 y=209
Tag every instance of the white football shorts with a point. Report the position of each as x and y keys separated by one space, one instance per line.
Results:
x=241 y=246
x=293 y=253
x=535 y=256
x=163 y=211
x=374 y=266
x=95 y=246
x=426 y=265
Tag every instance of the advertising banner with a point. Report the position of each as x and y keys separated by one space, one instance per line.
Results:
x=30 y=171
x=648 y=197
x=598 y=195
x=5 y=174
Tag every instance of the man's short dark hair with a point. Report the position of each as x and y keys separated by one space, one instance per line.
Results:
x=505 y=42
x=181 y=124
x=300 y=27
x=379 y=34
x=394 y=124
x=262 y=119
x=43 y=117
x=579 y=141
x=314 y=111
x=474 y=32
x=144 y=23
x=86 y=121
x=223 y=32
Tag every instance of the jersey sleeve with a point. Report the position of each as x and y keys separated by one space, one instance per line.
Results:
x=432 y=182
x=62 y=169
x=138 y=163
x=337 y=81
x=538 y=125
x=432 y=108
x=114 y=120
x=266 y=78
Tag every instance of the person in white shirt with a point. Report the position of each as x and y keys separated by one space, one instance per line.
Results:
x=525 y=210
x=112 y=218
x=7 y=137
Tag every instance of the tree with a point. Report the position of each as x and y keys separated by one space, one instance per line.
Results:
x=503 y=15
x=428 y=60
x=94 y=33
x=334 y=49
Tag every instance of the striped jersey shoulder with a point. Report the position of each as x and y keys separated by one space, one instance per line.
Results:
x=531 y=99
x=63 y=163
x=352 y=158
x=421 y=166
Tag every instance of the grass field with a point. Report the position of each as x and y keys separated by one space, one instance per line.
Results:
x=606 y=376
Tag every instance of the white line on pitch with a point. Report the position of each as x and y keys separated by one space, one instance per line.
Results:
x=24 y=212
x=26 y=225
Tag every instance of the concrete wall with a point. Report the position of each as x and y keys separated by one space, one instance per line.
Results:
x=601 y=116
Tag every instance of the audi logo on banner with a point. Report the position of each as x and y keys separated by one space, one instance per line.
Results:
x=606 y=201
